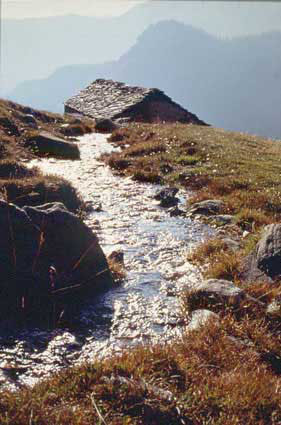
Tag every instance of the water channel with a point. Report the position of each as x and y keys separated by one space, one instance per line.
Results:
x=146 y=307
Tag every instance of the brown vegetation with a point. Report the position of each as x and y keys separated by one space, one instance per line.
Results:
x=22 y=185
x=227 y=372
x=220 y=374
x=242 y=170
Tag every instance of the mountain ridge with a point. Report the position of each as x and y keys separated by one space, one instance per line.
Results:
x=222 y=81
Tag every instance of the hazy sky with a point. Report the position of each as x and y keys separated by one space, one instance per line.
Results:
x=39 y=8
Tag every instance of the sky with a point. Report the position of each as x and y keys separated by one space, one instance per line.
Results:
x=20 y=9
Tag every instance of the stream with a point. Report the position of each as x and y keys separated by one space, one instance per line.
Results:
x=146 y=307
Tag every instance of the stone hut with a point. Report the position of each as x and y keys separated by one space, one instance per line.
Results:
x=117 y=101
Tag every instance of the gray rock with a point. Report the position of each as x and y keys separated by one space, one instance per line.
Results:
x=35 y=240
x=69 y=244
x=208 y=207
x=200 y=318
x=268 y=251
x=232 y=244
x=222 y=220
x=175 y=211
x=167 y=197
x=46 y=144
x=19 y=241
x=105 y=125
x=249 y=271
x=217 y=294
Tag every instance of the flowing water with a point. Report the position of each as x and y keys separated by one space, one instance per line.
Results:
x=146 y=307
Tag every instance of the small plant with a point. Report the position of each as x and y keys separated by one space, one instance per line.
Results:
x=250 y=219
x=225 y=265
x=206 y=250
x=147 y=177
x=187 y=160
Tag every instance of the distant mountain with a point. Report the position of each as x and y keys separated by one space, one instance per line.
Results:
x=35 y=48
x=234 y=84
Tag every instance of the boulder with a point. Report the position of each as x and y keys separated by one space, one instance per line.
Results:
x=167 y=197
x=74 y=130
x=175 y=211
x=45 y=143
x=69 y=245
x=200 y=318
x=268 y=251
x=222 y=220
x=231 y=244
x=249 y=271
x=19 y=242
x=105 y=125
x=216 y=294
x=208 y=207
x=43 y=249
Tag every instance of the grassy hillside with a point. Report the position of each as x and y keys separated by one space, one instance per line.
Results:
x=227 y=372
x=241 y=170
x=22 y=185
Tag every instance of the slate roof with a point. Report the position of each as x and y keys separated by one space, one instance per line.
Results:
x=107 y=98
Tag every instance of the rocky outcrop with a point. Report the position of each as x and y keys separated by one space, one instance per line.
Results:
x=167 y=197
x=220 y=295
x=249 y=271
x=200 y=318
x=216 y=294
x=268 y=251
x=75 y=129
x=44 y=249
x=221 y=220
x=46 y=144
x=19 y=244
x=208 y=207
x=105 y=125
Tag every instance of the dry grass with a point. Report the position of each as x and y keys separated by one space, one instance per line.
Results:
x=241 y=169
x=227 y=374
x=22 y=185
x=118 y=271
x=216 y=260
x=222 y=373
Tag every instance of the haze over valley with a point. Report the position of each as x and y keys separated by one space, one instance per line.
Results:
x=219 y=60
